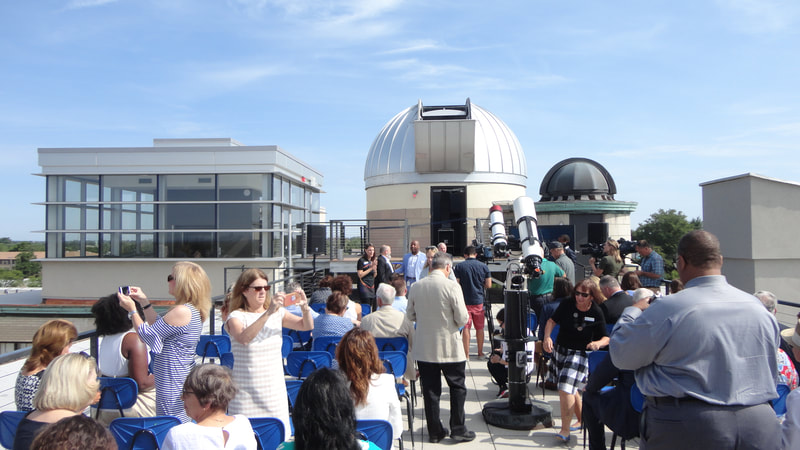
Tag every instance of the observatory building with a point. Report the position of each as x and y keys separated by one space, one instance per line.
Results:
x=439 y=168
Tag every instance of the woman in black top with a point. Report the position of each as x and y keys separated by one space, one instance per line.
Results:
x=582 y=327
x=367 y=267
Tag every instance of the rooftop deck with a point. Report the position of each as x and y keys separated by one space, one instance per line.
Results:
x=480 y=391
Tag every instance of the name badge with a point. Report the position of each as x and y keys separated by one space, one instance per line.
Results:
x=588 y=319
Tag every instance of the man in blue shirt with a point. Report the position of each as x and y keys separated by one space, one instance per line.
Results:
x=474 y=277
x=413 y=262
x=652 y=267
x=705 y=358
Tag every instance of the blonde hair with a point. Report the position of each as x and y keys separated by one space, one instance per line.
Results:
x=614 y=249
x=49 y=341
x=192 y=286
x=65 y=383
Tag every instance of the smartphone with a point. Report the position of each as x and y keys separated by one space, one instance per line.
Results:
x=290 y=299
x=125 y=290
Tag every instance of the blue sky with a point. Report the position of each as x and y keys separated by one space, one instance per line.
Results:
x=664 y=94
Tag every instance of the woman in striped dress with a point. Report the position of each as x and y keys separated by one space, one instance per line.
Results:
x=255 y=324
x=173 y=337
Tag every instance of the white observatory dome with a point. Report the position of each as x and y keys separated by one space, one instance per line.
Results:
x=445 y=144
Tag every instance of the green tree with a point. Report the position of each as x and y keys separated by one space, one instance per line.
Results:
x=663 y=230
x=25 y=264
x=9 y=278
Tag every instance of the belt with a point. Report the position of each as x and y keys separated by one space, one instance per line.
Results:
x=676 y=401
x=549 y=294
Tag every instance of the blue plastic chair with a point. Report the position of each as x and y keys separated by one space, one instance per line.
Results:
x=301 y=364
x=269 y=432
x=532 y=321
x=9 y=421
x=318 y=308
x=301 y=338
x=395 y=363
x=393 y=344
x=117 y=393
x=379 y=432
x=141 y=433
x=326 y=344
x=292 y=389
x=779 y=404
x=546 y=357
x=213 y=346
x=365 y=309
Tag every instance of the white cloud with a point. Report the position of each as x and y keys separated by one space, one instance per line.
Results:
x=762 y=16
x=79 y=4
x=236 y=77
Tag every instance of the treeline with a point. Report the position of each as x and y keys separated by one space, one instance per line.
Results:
x=26 y=272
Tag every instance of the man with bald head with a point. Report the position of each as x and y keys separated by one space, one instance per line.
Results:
x=705 y=358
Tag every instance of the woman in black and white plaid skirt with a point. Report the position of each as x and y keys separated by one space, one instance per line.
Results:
x=581 y=328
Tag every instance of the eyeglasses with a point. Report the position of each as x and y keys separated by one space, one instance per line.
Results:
x=259 y=288
x=582 y=294
x=170 y=278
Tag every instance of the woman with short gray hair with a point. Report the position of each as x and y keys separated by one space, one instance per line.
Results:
x=208 y=390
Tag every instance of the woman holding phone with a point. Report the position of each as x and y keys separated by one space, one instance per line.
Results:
x=255 y=324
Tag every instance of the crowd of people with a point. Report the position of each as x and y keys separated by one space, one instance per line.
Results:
x=702 y=387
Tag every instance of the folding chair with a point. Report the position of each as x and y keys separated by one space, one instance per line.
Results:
x=326 y=344
x=292 y=389
x=365 y=309
x=779 y=404
x=215 y=346
x=9 y=421
x=117 y=393
x=269 y=432
x=142 y=433
x=637 y=402
x=532 y=321
x=301 y=364
x=395 y=363
x=379 y=432
x=393 y=344
x=399 y=344
x=318 y=308
x=541 y=364
x=301 y=338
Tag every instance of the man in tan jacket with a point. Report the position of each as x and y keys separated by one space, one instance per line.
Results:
x=437 y=305
x=388 y=322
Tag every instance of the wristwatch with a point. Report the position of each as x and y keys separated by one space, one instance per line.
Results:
x=131 y=314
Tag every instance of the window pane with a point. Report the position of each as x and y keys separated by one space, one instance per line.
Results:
x=189 y=187
x=92 y=244
x=189 y=245
x=129 y=188
x=72 y=245
x=240 y=245
x=297 y=195
x=72 y=218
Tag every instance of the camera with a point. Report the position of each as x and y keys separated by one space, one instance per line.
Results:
x=125 y=290
x=595 y=250
x=626 y=247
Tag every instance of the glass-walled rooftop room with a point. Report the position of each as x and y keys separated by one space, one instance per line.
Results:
x=176 y=216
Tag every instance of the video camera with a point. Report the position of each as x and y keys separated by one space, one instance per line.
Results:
x=626 y=247
x=594 y=250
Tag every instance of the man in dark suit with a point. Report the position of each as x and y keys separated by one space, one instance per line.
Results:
x=385 y=270
x=616 y=299
x=611 y=408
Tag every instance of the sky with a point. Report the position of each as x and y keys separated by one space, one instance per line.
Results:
x=664 y=94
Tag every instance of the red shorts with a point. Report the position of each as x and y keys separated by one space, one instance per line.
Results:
x=475 y=314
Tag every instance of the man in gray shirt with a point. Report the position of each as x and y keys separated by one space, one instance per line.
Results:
x=705 y=358
x=563 y=261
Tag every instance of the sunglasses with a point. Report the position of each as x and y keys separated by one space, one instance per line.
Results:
x=582 y=294
x=170 y=278
x=259 y=288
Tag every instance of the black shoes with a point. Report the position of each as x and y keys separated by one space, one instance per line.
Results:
x=435 y=439
x=465 y=437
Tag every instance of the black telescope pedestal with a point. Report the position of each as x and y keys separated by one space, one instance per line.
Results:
x=518 y=413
